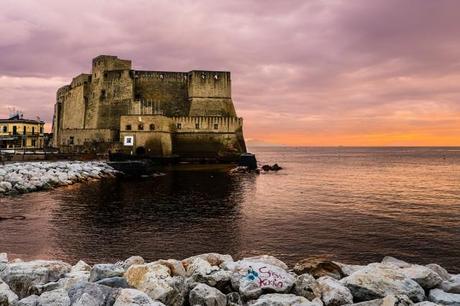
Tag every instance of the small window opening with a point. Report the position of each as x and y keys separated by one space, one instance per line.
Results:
x=128 y=127
x=216 y=126
x=5 y=129
x=140 y=127
x=24 y=130
x=179 y=126
x=102 y=94
x=71 y=140
x=197 y=126
x=152 y=127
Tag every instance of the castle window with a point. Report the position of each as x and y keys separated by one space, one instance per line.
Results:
x=5 y=129
x=197 y=126
x=71 y=140
x=152 y=126
x=102 y=94
x=41 y=130
x=24 y=130
x=128 y=127
x=179 y=126
x=33 y=130
x=216 y=126
x=140 y=127
x=15 y=130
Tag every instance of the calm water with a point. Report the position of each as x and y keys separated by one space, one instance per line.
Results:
x=356 y=203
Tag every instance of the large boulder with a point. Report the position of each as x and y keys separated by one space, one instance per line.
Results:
x=133 y=260
x=377 y=281
x=440 y=271
x=214 y=259
x=7 y=296
x=204 y=295
x=31 y=300
x=101 y=271
x=269 y=260
x=319 y=266
x=252 y=278
x=450 y=286
x=201 y=271
x=424 y=276
x=133 y=297
x=333 y=292
x=56 y=297
x=81 y=266
x=86 y=293
x=440 y=297
x=347 y=269
x=157 y=282
x=388 y=260
x=307 y=286
x=276 y=299
x=21 y=277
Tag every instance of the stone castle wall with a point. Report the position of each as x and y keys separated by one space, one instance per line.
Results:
x=105 y=99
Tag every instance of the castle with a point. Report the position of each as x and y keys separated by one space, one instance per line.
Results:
x=152 y=113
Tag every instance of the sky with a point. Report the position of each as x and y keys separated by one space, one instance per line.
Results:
x=304 y=73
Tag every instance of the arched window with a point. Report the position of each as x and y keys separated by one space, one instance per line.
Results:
x=140 y=127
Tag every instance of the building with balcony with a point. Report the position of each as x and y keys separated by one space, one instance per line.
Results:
x=19 y=133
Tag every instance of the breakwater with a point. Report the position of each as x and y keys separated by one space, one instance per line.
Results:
x=33 y=176
x=218 y=280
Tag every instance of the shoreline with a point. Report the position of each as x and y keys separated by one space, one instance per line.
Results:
x=217 y=279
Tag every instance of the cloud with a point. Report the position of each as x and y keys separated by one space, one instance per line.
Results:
x=318 y=72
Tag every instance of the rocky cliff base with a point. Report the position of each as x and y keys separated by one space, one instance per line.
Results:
x=219 y=280
x=33 y=176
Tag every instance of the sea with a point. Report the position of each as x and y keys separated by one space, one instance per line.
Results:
x=352 y=204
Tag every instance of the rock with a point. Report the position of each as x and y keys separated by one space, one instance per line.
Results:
x=269 y=260
x=156 y=281
x=389 y=300
x=440 y=270
x=234 y=299
x=80 y=266
x=86 y=293
x=440 y=297
x=201 y=271
x=133 y=260
x=22 y=276
x=426 y=303
x=396 y=262
x=276 y=299
x=276 y=167
x=205 y=295
x=377 y=281
x=348 y=270
x=251 y=278
x=450 y=286
x=72 y=278
x=318 y=266
x=307 y=286
x=133 y=297
x=114 y=282
x=214 y=259
x=333 y=292
x=3 y=258
x=101 y=271
x=31 y=300
x=424 y=276
x=56 y=297
x=7 y=296
x=175 y=266
x=266 y=168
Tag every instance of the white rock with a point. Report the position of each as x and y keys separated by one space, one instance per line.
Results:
x=31 y=300
x=333 y=292
x=3 y=258
x=276 y=299
x=56 y=297
x=394 y=261
x=214 y=259
x=426 y=303
x=450 y=286
x=349 y=269
x=424 y=276
x=201 y=271
x=22 y=276
x=440 y=297
x=269 y=260
x=156 y=281
x=81 y=266
x=133 y=260
x=133 y=297
x=205 y=295
x=307 y=286
x=101 y=271
x=440 y=270
x=7 y=296
x=252 y=278
x=377 y=281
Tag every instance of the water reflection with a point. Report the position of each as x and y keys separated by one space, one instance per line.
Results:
x=356 y=203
